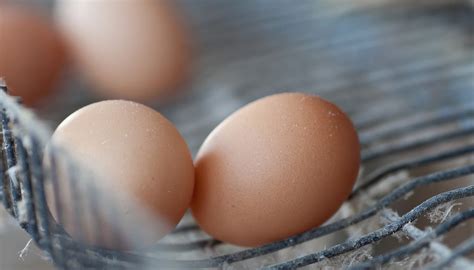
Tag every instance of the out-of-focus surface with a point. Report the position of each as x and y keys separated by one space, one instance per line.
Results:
x=390 y=57
x=32 y=53
x=13 y=240
x=143 y=58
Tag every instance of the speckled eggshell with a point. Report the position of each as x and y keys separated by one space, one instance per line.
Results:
x=277 y=167
x=132 y=150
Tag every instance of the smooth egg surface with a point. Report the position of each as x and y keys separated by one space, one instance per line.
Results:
x=279 y=166
x=131 y=49
x=143 y=174
x=32 y=53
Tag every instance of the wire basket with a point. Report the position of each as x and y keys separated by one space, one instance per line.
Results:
x=404 y=72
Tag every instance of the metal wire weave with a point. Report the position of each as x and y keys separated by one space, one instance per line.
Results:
x=405 y=74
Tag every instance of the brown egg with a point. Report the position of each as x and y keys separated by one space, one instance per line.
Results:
x=32 y=55
x=144 y=175
x=132 y=49
x=277 y=167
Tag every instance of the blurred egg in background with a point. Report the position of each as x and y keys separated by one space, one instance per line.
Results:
x=32 y=55
x=131 y=49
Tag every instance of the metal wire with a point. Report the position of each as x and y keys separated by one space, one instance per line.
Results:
x=413 y=110
x=381 y=233
x=424 y=241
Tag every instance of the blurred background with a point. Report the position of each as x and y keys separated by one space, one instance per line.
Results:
x=380 y=61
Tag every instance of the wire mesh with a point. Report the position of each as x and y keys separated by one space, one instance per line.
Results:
x=404 y=73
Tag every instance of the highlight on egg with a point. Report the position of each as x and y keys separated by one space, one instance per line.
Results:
x=277 y=167
x=32 y=53
x=139 y=179
x=132 y=49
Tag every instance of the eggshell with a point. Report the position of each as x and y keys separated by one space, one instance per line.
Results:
x=132 y=49
x=277 y=167
x=135 y=152
x=32 y=53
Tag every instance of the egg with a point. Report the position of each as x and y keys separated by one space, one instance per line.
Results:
x=279 y=166
x=132 y=49
x=135 y=153
x=32 y=53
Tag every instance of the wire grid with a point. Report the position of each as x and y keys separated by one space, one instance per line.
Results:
x=403 y=73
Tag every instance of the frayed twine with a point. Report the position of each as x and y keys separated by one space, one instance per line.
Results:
x=24 y=252
x=347 y=260
x=442 y=212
